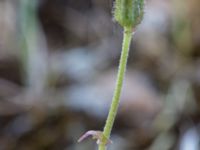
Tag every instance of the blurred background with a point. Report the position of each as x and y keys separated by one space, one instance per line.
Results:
x=58 y=66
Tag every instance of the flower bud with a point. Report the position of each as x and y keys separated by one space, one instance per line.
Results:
x=129 y=13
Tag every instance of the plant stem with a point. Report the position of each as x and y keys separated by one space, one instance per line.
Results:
x=118 y=87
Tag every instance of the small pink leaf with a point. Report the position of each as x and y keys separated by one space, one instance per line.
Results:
x=97 y=135
x=87 y=134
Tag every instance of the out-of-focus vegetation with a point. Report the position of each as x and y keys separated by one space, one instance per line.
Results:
x=58 y=62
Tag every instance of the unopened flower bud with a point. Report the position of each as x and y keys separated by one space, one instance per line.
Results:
x=129 y=13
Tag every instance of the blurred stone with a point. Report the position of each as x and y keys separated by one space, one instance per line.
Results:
x=139 y=101
x=190 y=140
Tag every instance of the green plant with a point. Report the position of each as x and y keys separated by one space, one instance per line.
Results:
x=128 y=13
x=33 y=46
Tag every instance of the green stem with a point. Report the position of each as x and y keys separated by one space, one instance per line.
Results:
x=118 y=88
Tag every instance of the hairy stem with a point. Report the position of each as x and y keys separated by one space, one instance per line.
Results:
x=118 y=87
